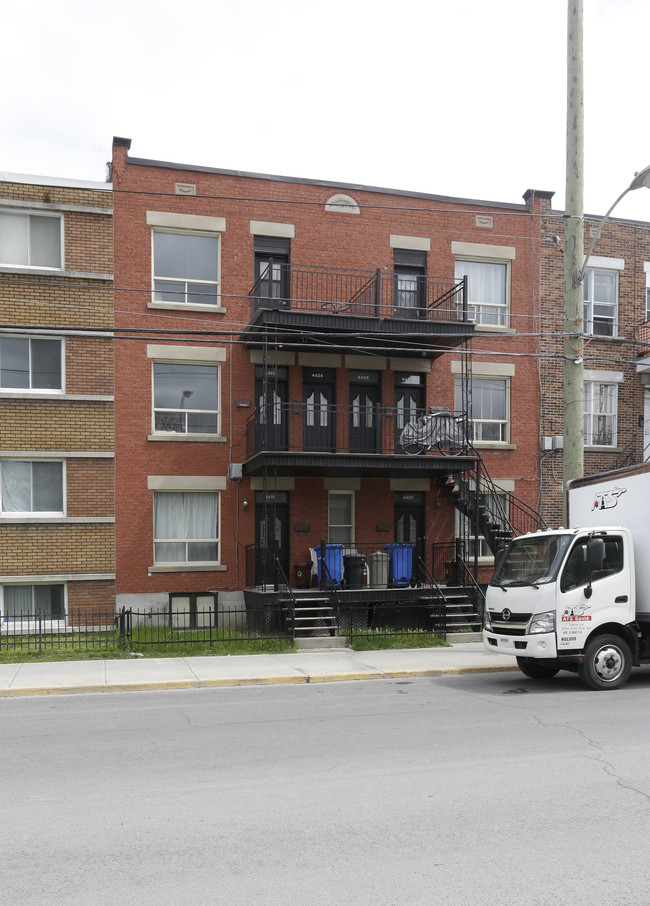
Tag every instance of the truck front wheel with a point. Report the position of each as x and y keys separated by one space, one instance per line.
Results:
x=607 y=663
x=536 y=668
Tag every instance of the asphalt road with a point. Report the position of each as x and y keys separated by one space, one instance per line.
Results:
x=477 y=789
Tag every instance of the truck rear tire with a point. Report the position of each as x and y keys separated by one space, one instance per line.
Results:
x=607 y=663
x=536 y=668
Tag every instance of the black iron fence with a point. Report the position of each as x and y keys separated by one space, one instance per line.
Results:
x=91 y=630
x=267 y=620
x=375 y=294
x=387 y=619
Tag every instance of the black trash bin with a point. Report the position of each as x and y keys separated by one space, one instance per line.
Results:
x=353 y=567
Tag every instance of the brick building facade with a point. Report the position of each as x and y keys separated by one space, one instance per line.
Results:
x=617 y=396
x=57 y=551
x=273 y=338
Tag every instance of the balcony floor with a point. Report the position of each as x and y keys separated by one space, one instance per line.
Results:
x=356 y=465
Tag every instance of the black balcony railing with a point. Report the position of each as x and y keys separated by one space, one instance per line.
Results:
x=371 y=428
x=359 y=293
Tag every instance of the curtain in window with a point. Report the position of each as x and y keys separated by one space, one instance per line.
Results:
x=486 y=281
x=16 y=487
x=13 y=239
x=184 y=517
x=17 y=600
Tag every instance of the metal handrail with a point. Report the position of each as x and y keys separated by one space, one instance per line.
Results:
x=467 y=574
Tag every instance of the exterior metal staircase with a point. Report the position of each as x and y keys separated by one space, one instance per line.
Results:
x=499 y=520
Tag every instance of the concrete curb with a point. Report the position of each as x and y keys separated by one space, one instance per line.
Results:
x=252 y=681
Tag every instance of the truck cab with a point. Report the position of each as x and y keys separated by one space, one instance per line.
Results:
x=565 y=600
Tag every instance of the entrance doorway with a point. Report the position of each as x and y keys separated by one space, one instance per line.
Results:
x=409 y=402
x=271 y=403
x=271 y=535
x=364 y=412
x=319 y=394
x=410 y=520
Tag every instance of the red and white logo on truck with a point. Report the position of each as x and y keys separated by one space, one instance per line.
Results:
x=607 y=500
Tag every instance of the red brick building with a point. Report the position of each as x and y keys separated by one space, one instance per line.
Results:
x=274 y=337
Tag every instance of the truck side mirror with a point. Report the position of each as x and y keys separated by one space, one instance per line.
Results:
x=595 y=553
x=595 y=559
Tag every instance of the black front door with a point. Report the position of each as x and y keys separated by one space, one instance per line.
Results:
x=410 y=268
x=364 y=412
x=271 y=271
x=409 y=520
x=319 y=420
x=271 y=408
x=409 y=403
x=271 y=537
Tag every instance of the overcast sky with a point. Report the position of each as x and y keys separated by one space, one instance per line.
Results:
x=464 y=98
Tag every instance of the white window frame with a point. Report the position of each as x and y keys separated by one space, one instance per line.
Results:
x=186 y=225
x=30 y=389
x=646 y=268
x=179 y=484
x=589 y=315
x=590 y=415
x=184 y=409
x=475 y=422
x=8 y=625
x=349 y=526
x=187 y=355
x=34 y=514
x=187 y=563
x=477 y=308
x=29 y=215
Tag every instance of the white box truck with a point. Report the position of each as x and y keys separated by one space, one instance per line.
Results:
x=579 y=598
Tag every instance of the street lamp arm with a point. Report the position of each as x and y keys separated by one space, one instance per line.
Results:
x=581 y=271
x=641 y=180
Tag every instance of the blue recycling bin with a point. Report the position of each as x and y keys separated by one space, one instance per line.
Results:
x=333 y=561
x=400 y=567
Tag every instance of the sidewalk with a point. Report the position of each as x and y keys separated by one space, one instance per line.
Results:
x=308 y=666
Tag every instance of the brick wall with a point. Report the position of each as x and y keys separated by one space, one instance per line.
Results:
x=619 y=239
x=322 y=239
x=38 y=423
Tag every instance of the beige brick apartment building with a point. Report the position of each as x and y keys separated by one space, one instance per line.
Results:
x=56 y=400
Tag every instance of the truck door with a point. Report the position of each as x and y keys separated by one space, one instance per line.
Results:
x=579 y=612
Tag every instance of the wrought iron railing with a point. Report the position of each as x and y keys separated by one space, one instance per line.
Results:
x=360 y=293
x=371 y=428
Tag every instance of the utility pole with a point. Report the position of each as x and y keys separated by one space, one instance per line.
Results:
x=573 y=461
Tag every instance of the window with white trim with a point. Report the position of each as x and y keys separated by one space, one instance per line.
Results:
x=31 y=364
x=31 y=487
x=490 y=408
x=600 y=293
x=31 y=240
x=341 y=517
x=28 y=602
x=186 y=398
x=186 y=527
x=487 y=290
x=646 y=267
x=600 y=413
x=186 y=267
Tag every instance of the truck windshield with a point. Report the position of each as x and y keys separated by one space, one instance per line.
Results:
x=531 y=561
